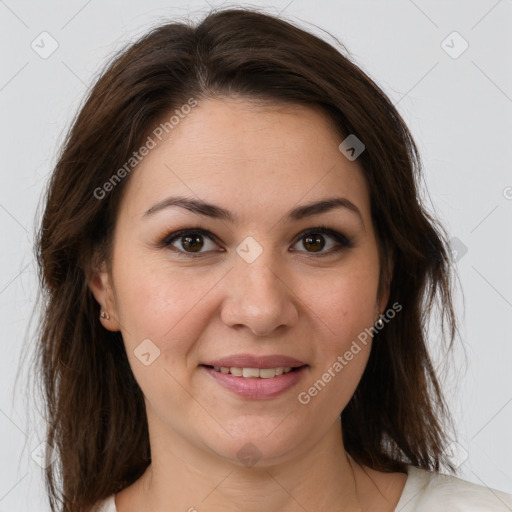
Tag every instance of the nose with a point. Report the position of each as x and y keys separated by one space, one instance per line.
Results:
x=259 y=298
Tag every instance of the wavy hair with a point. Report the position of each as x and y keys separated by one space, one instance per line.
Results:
x=94 y=408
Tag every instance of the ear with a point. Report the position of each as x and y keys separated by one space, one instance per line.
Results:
x=101 y=287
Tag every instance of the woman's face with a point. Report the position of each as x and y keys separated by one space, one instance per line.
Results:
x=250 y=290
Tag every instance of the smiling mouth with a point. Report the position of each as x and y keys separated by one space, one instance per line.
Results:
x=254 y=373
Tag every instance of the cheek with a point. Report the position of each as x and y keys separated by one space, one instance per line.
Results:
x=163 y=304
x=344 y=306
x=344 y=303
x=166 y=309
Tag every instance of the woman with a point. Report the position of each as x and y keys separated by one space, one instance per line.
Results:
x=238 y=271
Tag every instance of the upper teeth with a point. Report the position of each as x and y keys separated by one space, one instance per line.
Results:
x=263 y=373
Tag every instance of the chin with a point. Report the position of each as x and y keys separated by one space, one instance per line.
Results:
x=263 y=445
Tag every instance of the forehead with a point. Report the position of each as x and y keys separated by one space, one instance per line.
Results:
x=249 y=157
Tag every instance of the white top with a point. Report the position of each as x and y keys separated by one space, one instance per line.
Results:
x=425 y=491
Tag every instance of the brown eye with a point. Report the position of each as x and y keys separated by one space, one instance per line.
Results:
x=314 y=243
x=193 y=243
x=316 y=239
x=190 y=242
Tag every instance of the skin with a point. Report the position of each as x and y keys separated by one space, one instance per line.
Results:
x=259 y=162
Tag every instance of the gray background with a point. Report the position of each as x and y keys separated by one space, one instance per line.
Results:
x=457 y=106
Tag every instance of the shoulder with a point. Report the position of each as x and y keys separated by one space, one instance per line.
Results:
x=427 y=490
x=106 y=505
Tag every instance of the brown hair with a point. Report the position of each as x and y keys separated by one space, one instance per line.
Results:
x=95 y=410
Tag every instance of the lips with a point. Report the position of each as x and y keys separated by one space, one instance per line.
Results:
x=257 y=388
x=256 y=377
x=252 y=361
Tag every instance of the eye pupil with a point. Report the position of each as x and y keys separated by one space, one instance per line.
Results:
x=314 y=239
x=192 y=242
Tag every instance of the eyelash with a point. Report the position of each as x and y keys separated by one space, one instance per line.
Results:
x=343 y=241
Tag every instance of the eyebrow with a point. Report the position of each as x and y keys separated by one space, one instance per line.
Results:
x=216 y=212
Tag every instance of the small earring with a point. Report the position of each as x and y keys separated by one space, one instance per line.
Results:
x=104 y=315
x=380 y=322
